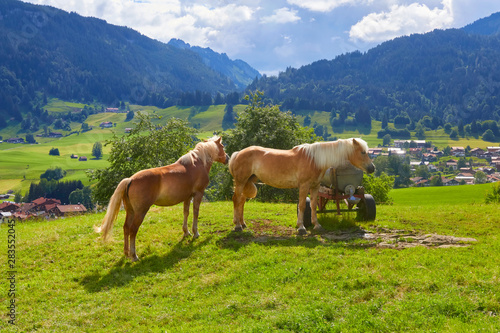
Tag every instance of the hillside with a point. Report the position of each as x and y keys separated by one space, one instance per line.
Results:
x=48 y=52
x=450 y=75
x=487 y=26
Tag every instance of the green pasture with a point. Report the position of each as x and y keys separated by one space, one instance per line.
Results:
x=265 y=279
x=58 y=106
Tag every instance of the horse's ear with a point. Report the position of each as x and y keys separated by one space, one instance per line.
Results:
x=355 y=142
x=219 y=140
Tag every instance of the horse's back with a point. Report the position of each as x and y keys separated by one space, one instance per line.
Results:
x=167 y=185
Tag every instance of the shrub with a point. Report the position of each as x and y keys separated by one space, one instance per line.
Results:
x=494 y=195
x=54 y=152
x=379 y=187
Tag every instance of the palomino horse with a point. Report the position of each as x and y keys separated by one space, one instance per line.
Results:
x=169 y=185
x=302 y=166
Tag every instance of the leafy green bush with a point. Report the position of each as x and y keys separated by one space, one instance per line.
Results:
x=146 y=146
x=53 y=174
x=379 y=187
x=494 y=195
x=54 y=152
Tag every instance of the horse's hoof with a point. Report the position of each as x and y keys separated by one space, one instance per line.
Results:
x=302 y=231
x=318 y=229
x=134 y=258
x=243 y=226
x=238 y=229
x=196 y=235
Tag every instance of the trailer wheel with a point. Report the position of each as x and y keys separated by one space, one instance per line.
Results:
x=307 y=213
x=367 y=209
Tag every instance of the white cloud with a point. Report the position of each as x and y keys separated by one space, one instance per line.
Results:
x=282 y=15
x=402 y=20
x=322 y=5
x=221 y=16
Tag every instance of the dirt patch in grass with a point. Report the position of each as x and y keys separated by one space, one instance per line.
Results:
x=263 y=231
x=400 y=239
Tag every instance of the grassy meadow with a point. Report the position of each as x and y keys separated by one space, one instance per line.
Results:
x=265 y=279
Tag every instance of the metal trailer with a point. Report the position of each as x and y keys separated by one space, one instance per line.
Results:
x=343 y=185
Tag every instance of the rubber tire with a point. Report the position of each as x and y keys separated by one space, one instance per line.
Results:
x=367 y=208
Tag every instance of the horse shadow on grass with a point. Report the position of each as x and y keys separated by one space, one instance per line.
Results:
x=125 y=271
x=265 y=232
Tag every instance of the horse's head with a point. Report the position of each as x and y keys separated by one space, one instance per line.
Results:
x=360 y=158
x=222 y=157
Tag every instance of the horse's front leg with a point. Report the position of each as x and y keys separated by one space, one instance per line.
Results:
x=303 y=189
x=314 y=204
x=196 y=210
x=187 y=202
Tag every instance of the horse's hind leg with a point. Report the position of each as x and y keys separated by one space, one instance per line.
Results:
x=134 y=227
x=238 y=206
x=314 y=215
x=302 y=207
x=196 y=210
x=186 y=215
x=126 y=232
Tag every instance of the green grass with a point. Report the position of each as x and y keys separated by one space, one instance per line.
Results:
x=67 y=280
x=440 y=195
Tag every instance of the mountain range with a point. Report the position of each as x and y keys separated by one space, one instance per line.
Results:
x=47 y=51
x=449 y=75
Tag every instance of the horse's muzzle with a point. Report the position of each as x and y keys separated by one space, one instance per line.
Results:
x=370 y=168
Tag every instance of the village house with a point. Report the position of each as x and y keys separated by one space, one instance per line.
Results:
x=9 y=207
x=55 y=134
x=82 y=158
x=14 y=140
x=495 y=151
x=420 y=181
x=44 y=204
x=477 y=152
x=468 y=178
x=106 y=124
x=458 y=151
x=67 y=210
x=493 y=178
x=430 y=157
x=449 y=182
x=374 y=152
x=401 y=143
x=397 y=151
x=41 y=207
x=452 y=164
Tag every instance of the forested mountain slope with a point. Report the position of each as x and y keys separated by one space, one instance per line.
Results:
x=451 y=75
x=47 y=51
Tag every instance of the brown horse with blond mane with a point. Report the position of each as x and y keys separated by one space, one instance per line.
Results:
x=169 y=185
x=302 y=166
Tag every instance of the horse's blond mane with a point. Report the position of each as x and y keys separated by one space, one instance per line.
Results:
x=206 y=151
x=331 y=154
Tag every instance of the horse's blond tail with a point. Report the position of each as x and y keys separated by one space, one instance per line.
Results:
x=113 y=209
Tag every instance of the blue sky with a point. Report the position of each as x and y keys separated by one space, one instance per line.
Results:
x=272 y=35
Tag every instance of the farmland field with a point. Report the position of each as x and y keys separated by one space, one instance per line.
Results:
x=265 y=279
